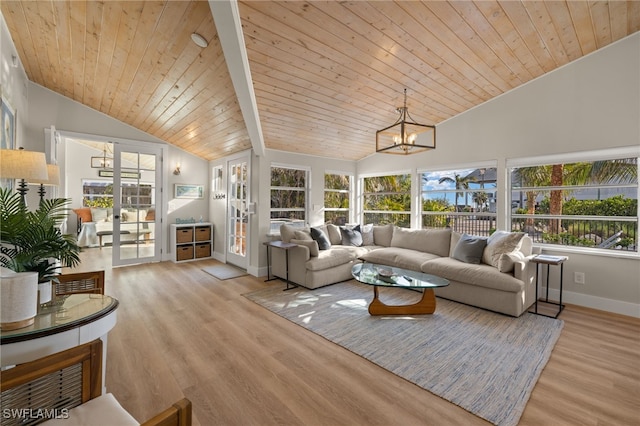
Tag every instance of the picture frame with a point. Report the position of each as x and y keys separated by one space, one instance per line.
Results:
x=189 y=191
x=8 y=123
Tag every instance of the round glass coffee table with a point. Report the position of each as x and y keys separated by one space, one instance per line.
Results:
x=388 y=276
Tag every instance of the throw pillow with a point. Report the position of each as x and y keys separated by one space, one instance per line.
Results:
x=469 y=249
x=310 y=244
x=351 y=236
x=501 y=242
x=367 y=235
x=99 y=215
x=321 y=238
x=151 y=214
x=84 y=214
x=507 y=261
x=303 y=235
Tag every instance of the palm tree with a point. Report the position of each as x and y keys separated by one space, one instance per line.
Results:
x=480 y=198
x=462 y=183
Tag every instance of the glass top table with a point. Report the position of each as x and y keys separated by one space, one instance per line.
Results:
x=66 y=312
x=387 y=276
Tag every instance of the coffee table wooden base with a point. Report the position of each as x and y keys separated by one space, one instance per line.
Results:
x=426 y=305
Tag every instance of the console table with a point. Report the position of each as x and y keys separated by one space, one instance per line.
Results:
x=70 y=321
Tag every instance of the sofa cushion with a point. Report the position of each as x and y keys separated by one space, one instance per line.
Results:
x=367 y=235
x=382 y=235
x=508 y=260
x=321 y=238
x=303 y=235
x=351 y=236
x=311 y=244
x=481 y=275
x=98 y=214
x=400 y=257
x=501 y=242
x=329 y=258
x=469 y=249
x=333 y=232
x=435 y=241
x=287 y=232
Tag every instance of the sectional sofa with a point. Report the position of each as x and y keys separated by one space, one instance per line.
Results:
x=492 y=273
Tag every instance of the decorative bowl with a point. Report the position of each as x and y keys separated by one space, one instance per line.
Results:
x=385 y=272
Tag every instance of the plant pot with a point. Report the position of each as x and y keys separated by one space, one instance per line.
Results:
x=44 y=292
x=18 y=299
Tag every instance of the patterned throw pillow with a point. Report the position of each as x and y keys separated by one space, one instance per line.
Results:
x=367 y=235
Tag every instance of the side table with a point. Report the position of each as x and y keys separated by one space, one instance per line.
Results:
x=543 y=259
x=282 y=246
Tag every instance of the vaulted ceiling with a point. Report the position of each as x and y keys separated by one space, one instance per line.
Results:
x=325 y=75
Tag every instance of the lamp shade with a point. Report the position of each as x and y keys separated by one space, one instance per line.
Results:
x=54 y=176
x=21 y=164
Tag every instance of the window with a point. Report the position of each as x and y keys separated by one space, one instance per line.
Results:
x=99 y=193
x=387 y=199
x=590 y=203
x=288 y=196
x=337 y=195
x=461 y=199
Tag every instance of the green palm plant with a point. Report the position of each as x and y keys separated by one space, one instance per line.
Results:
x=31 y=241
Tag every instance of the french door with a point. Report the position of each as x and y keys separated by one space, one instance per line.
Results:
x=237 y=206
x=137 y=230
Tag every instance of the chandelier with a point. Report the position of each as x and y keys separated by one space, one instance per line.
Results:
x=102 y=162
x=405 y=136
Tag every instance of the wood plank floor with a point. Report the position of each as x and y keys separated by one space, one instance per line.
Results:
x=182 y=332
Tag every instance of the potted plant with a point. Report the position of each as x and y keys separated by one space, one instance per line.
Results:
x=31 y=241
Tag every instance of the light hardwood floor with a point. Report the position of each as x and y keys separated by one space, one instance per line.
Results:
x=181 y=332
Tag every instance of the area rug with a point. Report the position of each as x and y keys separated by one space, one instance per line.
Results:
x=224 y=272
x=486 y=363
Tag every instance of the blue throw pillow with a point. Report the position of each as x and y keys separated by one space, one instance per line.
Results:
x=469 y=249
x=320 y=238
x=351 y=236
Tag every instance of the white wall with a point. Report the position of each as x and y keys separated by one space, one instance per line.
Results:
x=590 y=104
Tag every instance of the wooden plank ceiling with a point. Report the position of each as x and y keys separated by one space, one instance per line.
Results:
x=326 y=74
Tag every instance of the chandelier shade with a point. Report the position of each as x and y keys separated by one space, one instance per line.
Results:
x=405 y=136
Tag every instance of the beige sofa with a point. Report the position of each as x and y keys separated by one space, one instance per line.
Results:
x=502 y=281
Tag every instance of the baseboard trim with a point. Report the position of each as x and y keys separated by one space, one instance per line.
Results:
x=594 y=302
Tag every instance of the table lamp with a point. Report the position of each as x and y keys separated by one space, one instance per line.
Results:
x=53 y=180
x=25 y=165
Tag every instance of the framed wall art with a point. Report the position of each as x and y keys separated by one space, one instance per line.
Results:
x=189 y=191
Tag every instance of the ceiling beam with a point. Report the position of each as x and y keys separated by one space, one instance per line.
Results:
x=226 y=17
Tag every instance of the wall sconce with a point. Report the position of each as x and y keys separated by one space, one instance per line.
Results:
x=176 y=171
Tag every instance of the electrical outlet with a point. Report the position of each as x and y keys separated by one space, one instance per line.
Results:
x=578 y=277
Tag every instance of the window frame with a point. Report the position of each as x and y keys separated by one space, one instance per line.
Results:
x=362 y=195
x=306 y=189
x=466 y=216
x=350 y=192
x=570 y=158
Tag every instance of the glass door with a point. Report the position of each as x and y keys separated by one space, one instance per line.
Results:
x=137 y=231
x=237 y=205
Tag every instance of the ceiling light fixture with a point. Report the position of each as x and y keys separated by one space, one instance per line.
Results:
x=405 y=136
x=103 y=162
x=199 y=40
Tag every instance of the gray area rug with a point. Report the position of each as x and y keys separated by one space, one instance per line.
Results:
x=486 y=363
x=224 y=272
